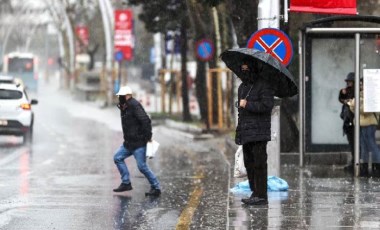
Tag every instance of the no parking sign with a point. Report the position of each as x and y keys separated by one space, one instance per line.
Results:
x=274 y=42
x=204 y=50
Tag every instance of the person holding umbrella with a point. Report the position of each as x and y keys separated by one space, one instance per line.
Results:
x=261 y=76
x=255 y=104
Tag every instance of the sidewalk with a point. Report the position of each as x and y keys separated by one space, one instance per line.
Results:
x=319 y=197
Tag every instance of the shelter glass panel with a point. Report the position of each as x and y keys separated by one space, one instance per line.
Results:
x=369 y=53
x=332 y=59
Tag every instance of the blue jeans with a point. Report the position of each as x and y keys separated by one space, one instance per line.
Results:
x=122 y=153
x=368 y=144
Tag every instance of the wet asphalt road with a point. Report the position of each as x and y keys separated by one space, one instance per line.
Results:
x=64 y=180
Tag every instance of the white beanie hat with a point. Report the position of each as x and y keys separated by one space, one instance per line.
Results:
x=124 y=90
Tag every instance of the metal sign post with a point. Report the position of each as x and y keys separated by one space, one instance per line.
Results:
x=119 y=58
x=357 y=104
x=271 y=40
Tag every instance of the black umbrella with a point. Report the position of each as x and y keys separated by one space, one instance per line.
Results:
x=273 y=71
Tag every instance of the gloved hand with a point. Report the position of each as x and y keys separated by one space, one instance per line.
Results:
x=122 y=102
x=122 y=106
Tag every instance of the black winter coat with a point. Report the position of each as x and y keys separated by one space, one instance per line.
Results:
x=137 y=128
x=254 y=121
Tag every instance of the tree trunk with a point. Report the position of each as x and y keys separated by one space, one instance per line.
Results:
x=244 y=17
x=199 y=17
x=184 y=73
x=200 y=85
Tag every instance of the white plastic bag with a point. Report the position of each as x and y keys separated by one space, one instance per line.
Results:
x=151 y=148
x=239 y=169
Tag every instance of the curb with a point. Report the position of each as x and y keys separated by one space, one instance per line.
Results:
x=190 y=130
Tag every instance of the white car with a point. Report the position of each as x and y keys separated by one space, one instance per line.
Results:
x=16 y=115
x=11 y=80
x=7 y=79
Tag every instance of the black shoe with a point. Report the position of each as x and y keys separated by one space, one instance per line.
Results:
x=245 y=200
x=255 y=201
x=364 y=170
x=376 y=170
x=153 y=192
x=123 y=187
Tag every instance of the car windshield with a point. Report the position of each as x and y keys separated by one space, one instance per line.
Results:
x=10 y=94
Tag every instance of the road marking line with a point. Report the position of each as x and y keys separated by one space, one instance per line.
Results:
x=13 y=156
x=186 y=216
x=188 y=212
x=47 y=162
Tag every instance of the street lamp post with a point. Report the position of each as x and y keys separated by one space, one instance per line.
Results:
x=108 y=39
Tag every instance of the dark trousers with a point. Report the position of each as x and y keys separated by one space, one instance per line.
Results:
x=255 y=161
x=350 y=133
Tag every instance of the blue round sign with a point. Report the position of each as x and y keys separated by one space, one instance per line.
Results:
x=119 y=56
x=204 y=50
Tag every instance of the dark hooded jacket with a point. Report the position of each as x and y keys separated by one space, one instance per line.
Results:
x=254 y=121
x=136 y=124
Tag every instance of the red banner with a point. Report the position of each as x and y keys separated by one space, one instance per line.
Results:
x=324 y=6
x=123 y=36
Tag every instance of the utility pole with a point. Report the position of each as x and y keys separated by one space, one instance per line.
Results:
x=269 y=17
x=268 y=14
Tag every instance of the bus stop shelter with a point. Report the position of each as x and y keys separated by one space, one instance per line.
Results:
x=329 y=49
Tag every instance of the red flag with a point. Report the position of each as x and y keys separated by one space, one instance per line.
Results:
x=324 y=6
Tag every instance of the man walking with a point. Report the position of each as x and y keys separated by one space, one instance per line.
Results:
x=137 y=131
